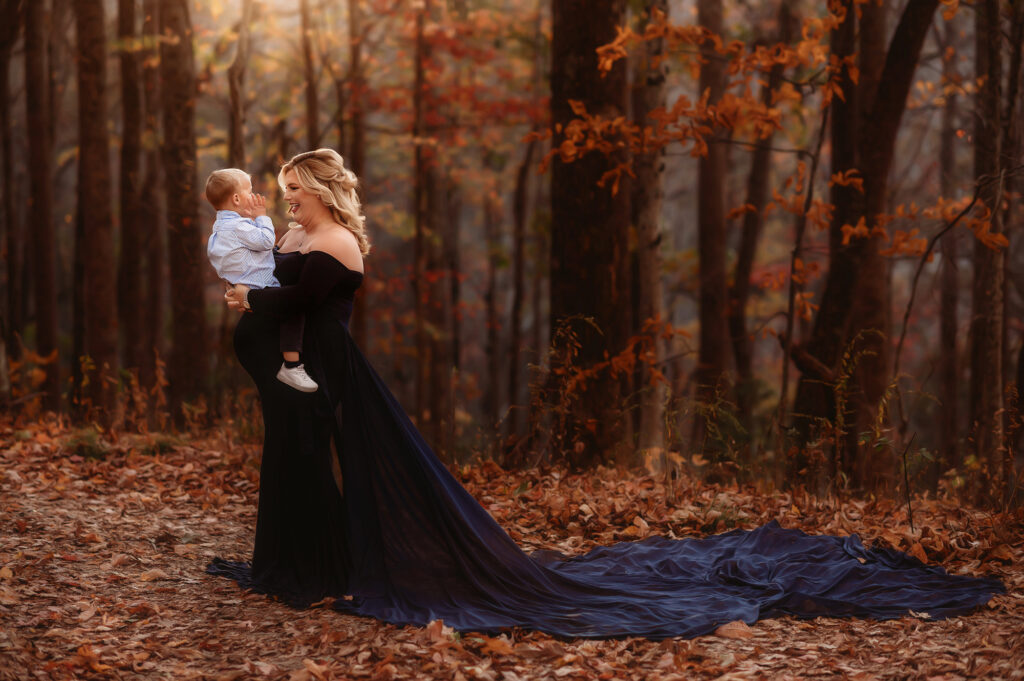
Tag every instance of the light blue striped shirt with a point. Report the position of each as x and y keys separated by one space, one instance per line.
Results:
x=242 y=249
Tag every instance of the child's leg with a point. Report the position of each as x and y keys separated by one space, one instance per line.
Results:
x=292 y=372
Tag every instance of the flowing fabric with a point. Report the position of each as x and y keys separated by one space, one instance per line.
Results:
x=402 y=541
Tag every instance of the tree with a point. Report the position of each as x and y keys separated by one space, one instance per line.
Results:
x=589 y=240
x=40 y=164
x=854 y=307
x=94 y=207
x=129 y=280
x=236 y=89
x=188 y=365
x=986 y=332
x=309 y=71
x=649 y=95
x=713 y=357
x=14 y=318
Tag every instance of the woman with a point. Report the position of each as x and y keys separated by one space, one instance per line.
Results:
x=401 y=540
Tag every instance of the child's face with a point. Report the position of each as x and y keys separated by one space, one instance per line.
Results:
x=243 y=193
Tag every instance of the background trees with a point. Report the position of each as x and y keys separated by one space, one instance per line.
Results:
x=641 y=184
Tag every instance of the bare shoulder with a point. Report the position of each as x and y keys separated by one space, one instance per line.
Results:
x=342 y=245
x=292 y=239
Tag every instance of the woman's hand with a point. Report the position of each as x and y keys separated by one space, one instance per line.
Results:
x=236 y=297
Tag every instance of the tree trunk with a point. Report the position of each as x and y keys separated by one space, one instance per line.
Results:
x=986 y=387
x=188 y=365
x=129 y=283
x=153 y=237
x=589 y=242
x=13 y=232
x=40 y=165
x=713 y=355
x=94 y=197
x=312 y=102
x=492 y=219
x=519 y=213
x=357 y=147
x=739 y=292
x=854 y=308
x=949 y=357
x=236 y=90
x=648 y=95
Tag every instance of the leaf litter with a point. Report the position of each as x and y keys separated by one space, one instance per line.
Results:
x=102 y=576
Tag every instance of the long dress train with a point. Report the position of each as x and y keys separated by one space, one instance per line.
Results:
x=402 y=541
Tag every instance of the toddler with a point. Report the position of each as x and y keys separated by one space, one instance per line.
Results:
x=241 y=250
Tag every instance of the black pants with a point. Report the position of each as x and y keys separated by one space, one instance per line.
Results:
x=291 y=333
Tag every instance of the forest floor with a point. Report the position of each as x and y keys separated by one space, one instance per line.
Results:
x=102 y=559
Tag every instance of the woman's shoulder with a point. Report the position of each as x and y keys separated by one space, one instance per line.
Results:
x=342 y=245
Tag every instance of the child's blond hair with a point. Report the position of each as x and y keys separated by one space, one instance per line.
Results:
x=222 y=185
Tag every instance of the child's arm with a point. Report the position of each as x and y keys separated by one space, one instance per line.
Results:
x=256 y=233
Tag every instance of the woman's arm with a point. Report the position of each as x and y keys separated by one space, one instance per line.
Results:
x=320 y=273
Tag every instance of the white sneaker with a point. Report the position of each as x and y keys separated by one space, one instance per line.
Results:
x=297 y=378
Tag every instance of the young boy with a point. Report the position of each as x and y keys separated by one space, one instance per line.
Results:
x=241 y=250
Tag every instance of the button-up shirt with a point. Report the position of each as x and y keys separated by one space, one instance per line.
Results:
x=241 y=250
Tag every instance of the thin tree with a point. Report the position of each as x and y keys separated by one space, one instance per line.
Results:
x=188 y=365
x=40 y=165
x=94 y=205
x=356 y=158
x=14 y=318
x=648 y=95
x=129 y=280
x=309 y=72
x=236 y=90
x=713 y=353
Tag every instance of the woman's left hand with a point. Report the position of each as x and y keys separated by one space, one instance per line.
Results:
x=236 y=297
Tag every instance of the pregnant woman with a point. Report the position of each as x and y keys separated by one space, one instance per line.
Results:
x=353 y=503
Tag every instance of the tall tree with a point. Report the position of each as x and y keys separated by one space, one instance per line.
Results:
x=236 y=90
x=188 y=365
x=129 y=280
x=589 y=238
x=94 y=204
x=648 y=95
x=854 y=304
x=356 y=159
x=713 y=357
x=986 y=332
x=739 y=291
x=40 y=164
x=153 y=237
x=309 y=70
x=14 y=318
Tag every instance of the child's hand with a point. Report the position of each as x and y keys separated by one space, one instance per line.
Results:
x=257 y=205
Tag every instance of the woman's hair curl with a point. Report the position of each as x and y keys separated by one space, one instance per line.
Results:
x=323 y=172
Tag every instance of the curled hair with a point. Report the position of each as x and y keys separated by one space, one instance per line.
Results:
x=323 y=172
x=222 y=185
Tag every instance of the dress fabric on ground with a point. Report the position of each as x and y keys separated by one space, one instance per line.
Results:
x=402 y=541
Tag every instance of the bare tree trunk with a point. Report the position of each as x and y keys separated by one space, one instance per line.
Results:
x=94 y=197
x=949 y=357
x=648 y=95
x=739 y=292
x=312 y=102
x=13 y=233
x=492 y=218
x=713 y=357
x=129 y=282
x=153 y=237
x=188 y=365
x=40 y=163
x=357 y=145
x=519 y=213
x=236 y=90
x=986 y=387
x=589 y=235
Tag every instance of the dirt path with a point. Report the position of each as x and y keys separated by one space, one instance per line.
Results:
x=101 y=576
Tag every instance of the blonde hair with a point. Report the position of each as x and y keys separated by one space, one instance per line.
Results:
x=323 y=172
x=222 y=184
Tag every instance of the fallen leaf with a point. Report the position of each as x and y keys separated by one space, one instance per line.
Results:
x=154 y=574
x=737 y=629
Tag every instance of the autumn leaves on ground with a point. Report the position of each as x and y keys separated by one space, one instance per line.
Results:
x=104 y=545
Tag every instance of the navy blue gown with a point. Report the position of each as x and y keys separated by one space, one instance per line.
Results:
x=396 y=537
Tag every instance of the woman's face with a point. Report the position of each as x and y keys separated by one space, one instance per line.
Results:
x=304 y=207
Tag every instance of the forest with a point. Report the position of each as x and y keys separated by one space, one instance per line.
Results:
x=644 y=266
